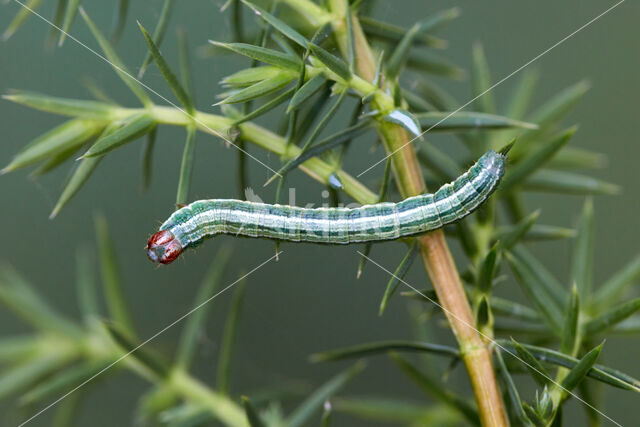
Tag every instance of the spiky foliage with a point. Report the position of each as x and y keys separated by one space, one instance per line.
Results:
x=304 y=60
x=63 y=354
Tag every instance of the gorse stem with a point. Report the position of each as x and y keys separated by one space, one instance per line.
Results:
x=435 y=253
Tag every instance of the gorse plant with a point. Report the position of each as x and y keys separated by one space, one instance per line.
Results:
x=312 y=62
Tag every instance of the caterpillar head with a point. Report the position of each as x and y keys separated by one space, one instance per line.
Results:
x=163 y=247
x=494 y=162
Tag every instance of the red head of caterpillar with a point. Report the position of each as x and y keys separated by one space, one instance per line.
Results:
x=163 y=247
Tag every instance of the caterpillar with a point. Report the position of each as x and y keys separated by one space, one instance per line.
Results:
x=189 y=225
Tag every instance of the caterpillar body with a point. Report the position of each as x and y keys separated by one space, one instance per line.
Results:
x=189 y=225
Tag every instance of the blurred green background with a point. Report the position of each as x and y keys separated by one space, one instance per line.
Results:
x=309 y=300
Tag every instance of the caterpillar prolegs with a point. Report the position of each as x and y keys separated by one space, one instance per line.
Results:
x=382 y=221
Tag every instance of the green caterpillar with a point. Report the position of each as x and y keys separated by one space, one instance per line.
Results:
x=382 y=221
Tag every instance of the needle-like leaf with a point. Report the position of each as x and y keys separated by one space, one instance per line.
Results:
x=81 y=174
x=351 y=42
x=69 y=135
x=306 y=153
x=147 y=158
x=186 y=167
x=111 y=280
x=236 y=18
x=70 y=14
x=598 y=372
x=158 y=33
x=533 y=281
x=551 y=181
x=436 y=96
x=578 y=372
x=328 y=143
x=521 y=97
x=629 y=326
x=537 y=232
x=252 y=415
x=401 y=50
x=558 y=106
x=617 y=284
x=307 y=90
x=21 y=17
x=514 y=395
x=67 y=411
x=612 y=317
x=577 y=158
x=26 y=373
x=18 y=295
x=67 y=107
x=113 y=58
x=391 y=33
x=168 y=75
x=55 y=161
x=249 y=76
x=511 y=327
x=85 y=279
x=384 y=347
x=481 y=80
x=228 y=338
x=132 y=128
x=63 y=381
x=263 y=54
x=363 y=259
x=186 y=74
x=582 y=265
x=149 y=359
x=195 y=322
x=191 y=414
x=156 y=401
x=484 y=316
x=570 y=335
x=397 y=411
x=534 y=160
x=507 y=241
x=120 y=21
x=468 y=120
x=16 y=348
x=436 y=389
x=313 y=113
x=432 y=64
x=260 y=89
x=398 y=275
x=332 y=62
x=416 y=102
x=484 y=281
x=535 y=368
x=266 y=107
x=508 y=308
x=58 y=18
x=279 y=25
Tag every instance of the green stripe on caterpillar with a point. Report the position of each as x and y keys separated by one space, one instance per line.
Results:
x=189 y=225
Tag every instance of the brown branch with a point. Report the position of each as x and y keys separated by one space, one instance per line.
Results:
x=435 y=253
